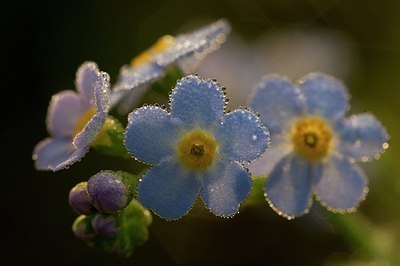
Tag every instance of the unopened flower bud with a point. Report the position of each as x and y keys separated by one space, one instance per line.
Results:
x=82 y=229
x=110 y=191
x=79 y=199
x=105 y=225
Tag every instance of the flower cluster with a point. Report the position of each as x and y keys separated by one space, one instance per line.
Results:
x=110 y=218
x=314 y=145
x=295 y=135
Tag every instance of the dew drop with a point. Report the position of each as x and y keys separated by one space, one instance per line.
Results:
x=254 y=137
x=385 y=145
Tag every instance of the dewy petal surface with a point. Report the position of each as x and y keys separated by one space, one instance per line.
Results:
x=56 y=154
x=197 y=102
x=362 y=136
x=86 y=78
x=288 y=187
x=168 y=190
x=151 y=134
x=90 y=131
x=130 y=78
x=242 y=136
x=195 y=44
x=325 y=96
x=64 y=111
x=102 y=101
x=277 y=101
x=102 y=92
x=342 y=185
x=224 y=187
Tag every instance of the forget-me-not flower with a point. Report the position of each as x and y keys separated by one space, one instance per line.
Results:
x=196 y=148
x=184 y=50
x=74 y=119
x=314 y=146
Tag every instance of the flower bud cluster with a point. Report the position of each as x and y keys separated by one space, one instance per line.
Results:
x=110 y=219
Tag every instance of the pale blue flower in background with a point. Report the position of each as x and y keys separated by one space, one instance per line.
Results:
x=74 y=119
x=195 y=149
x=184 y=50
x=314 y=146
x=292 y=52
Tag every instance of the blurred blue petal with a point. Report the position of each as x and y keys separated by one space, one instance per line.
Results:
x=224 y=187
x=56 y=154
x=151 y=134
x=86 y=77
x=342 y=185
x=278 y=149
x=130 y=78
x=64 y=111
x=242 y=136
x=324 y=95
x=362 y=136
x=288 y=187
x=277 y=101
x=197 y=102
x=196 y=44
x=168 y=190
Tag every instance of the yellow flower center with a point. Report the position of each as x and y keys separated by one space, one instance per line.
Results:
x=197 y=149
x=161 y=45
x=312 y=138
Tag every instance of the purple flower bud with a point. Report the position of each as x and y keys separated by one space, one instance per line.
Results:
x=79 y=199
x=82 y=229
x=105 y=225
x=108 y=191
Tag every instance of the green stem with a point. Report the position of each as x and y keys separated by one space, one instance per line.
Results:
x=363 y=235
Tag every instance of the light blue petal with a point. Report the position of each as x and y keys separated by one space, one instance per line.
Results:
x=342 y=186
x=196 y=44
x=225 y=187
x=242 y=136
x=125 y=101
x=133 y=77
x=86 y=78
x=64 y=111
x=102 y=92
x=168 y=190
x=197 y=102
x=324 y=95
x=56 y=154
x=288 y=187
x=362 y=137
x=280 y=147
x=89 y=132
x=151 y=134
x=277 y=101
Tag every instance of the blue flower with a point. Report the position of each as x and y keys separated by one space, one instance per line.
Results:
x=196 y=148
x=315 y=146
x=184 y=50
x=74 y=119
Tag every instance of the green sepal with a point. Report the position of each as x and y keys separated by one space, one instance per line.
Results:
x=132 y=222
x=110 y=140
x=131 y=182
x=257 y=191
x=83 y=230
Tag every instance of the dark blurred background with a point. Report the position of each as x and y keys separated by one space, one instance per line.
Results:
x=43 y=44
